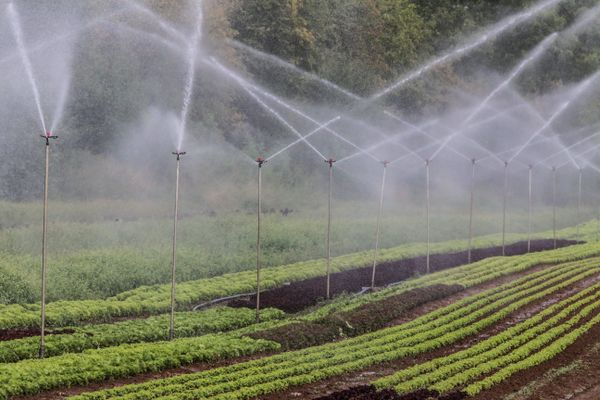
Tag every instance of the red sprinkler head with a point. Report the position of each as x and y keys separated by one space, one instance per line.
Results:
x=260 y=161
x=385 y=163
x=330 y=161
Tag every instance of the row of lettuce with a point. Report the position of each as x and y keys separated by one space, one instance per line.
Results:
x=153 y=300
x=153 y=329
x=193 y=324
x=493 y=360
x=434 y=330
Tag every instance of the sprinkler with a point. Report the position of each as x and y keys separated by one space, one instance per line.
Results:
x=471 y=202
x=178 y=155
x=330 y=161
x=378 y=230
x=504 y=200
x=259 y=163
x=554 y=205
x=47 y=137
x=427 y=210
x=530 y=208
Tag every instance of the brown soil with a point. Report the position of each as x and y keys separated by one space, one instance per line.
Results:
x=300 y=295
x=366 y=318
x=11 y=334
x=344 y=385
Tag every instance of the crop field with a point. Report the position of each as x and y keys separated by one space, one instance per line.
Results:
x=299 y=199
x=463 y=331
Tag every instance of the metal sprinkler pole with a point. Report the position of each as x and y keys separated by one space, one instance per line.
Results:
x=428 y=206
x=579 y=195
x=530 y=208
x=259 y=162
x=178 y=155
x=42 y=349
x=331 y=161
x=378 y=231
x=504 y=200
x=471 y=202
x=554 y=205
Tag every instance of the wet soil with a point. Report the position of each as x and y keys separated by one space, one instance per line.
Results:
x=300 y=295
x=11 y=334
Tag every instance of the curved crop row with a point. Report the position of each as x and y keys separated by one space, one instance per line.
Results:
x=549 y=351
x=254 y=378
x=34 y=376
x=152 y=300
x=153 y=329
x=439 y=373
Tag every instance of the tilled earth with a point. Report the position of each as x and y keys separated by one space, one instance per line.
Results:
x=300 y=295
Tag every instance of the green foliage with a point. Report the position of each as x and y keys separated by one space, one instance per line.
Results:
x=431 y=331
x=453 y=371
x=34 y=376
x=155 y=299
x=153 y=329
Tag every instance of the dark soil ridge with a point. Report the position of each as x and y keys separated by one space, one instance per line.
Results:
x=360 y=379
x=11 y=334
x=300 y=295
x=366 y=318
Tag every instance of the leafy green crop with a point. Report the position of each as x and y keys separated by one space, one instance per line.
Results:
x=447 y=373
x=431 y=331
x=153 y=329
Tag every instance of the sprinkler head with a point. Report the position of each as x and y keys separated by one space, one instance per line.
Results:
x=385 y=163
x=427 y=161
x=330 y=162
x=48 y=136
x=260 y=161
x=179 y=154
x=505 y=164
x=474 y=161
x=553 y=169
x=530 y=166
